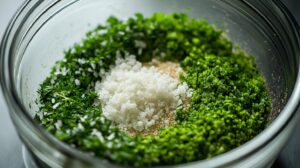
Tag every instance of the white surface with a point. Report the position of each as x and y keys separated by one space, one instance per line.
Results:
x=10 y=145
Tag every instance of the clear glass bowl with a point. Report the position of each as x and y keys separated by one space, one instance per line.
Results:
x=41 y=30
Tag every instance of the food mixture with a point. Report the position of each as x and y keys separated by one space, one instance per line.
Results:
x=161 y=90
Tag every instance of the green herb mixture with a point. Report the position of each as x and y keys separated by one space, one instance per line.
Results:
x=228 y=107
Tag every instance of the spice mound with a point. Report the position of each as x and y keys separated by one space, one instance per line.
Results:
x=138 y=98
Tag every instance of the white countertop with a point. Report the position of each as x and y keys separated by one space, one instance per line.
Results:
x=10 y=144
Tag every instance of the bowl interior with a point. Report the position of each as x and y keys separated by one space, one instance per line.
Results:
x=59 y=27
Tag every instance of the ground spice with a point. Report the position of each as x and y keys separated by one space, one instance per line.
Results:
x=172 y=69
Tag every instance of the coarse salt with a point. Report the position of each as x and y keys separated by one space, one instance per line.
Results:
x=137 y=97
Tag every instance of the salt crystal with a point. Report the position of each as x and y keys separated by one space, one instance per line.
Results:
x=58 y=124
x=98 y=135
x=55 y=105
x=77 y=82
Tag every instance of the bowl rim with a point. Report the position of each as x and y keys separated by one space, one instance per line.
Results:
x=252 y=146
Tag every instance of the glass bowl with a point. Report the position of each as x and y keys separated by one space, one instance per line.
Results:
x=41 y=30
